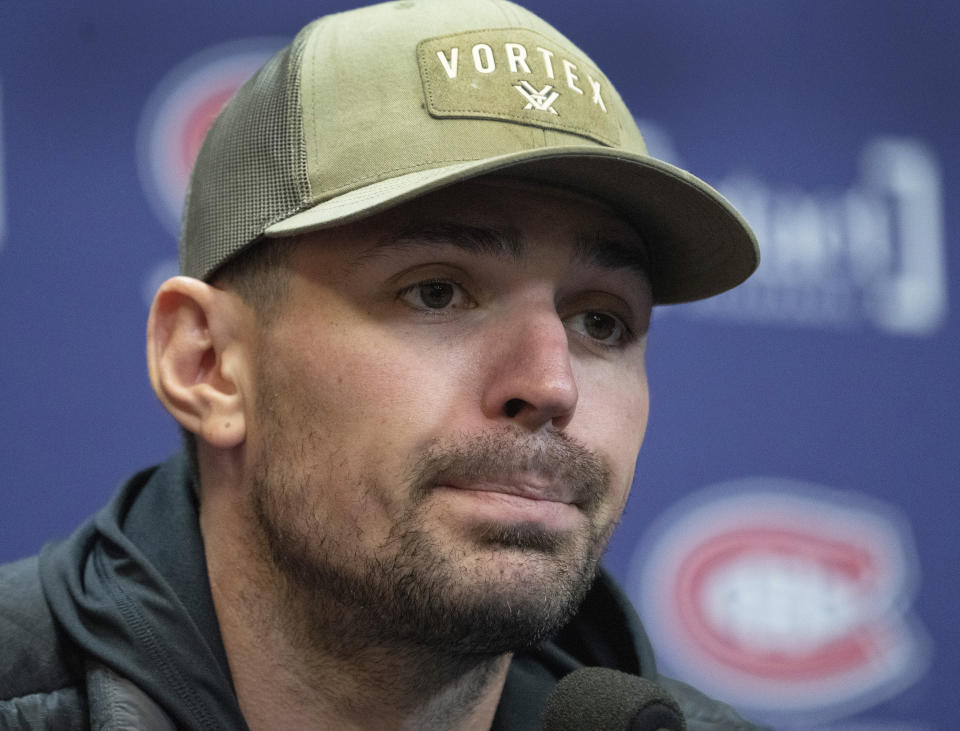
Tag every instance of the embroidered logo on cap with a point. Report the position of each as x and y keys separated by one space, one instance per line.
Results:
x=540 y=100
x=479 y=75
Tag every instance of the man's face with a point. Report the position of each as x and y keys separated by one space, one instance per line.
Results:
x=449 y=409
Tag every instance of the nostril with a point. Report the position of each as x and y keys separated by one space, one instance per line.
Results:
x=513 y=407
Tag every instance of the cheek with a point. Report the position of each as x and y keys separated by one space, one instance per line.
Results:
x=374 y=397
x=611 y=418
x=390 y=392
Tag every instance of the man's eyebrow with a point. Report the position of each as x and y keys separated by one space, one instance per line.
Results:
x=612 y=252
x=597 y=249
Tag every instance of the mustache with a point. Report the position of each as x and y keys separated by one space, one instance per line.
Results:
x=554 y=457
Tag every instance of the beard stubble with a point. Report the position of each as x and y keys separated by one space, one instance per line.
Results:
x=342 y=596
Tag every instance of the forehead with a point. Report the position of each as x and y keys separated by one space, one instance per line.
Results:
x=497 y=216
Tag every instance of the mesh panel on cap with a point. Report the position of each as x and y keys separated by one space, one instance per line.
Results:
x=251 y=170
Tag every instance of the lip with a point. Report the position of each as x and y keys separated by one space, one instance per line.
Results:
x=511 y=502
x=530 y=487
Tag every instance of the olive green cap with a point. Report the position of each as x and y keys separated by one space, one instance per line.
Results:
x=372 y=107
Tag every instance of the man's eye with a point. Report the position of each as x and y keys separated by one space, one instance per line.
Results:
x=435 y=295
x=603 y=327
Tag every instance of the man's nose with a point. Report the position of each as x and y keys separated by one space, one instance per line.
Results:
x=531 y=382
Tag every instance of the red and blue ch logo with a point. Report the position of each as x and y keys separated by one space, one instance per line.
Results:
x=180 y=111
x=785 y=599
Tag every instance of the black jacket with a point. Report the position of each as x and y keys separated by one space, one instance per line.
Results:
x=114 y=628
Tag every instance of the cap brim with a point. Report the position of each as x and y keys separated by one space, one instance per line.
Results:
x=698 y=244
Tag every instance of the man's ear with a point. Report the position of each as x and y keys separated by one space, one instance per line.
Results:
x=197 y=358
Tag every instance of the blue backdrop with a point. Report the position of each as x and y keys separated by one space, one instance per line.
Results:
x=790 y=539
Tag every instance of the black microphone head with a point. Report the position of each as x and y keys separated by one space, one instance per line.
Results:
x=603 y=699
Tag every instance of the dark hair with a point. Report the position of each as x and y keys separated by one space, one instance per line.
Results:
x=260 y=274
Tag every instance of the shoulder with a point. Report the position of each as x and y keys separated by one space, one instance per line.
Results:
x=39 y=681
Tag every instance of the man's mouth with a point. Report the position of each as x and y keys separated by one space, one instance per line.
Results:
x=529 y=487
x=510 y=478
x=529 y=499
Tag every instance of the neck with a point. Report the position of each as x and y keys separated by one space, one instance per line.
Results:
x=306 y=662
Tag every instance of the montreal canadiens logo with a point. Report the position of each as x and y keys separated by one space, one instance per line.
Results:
x=180 y=111
x=785 y=599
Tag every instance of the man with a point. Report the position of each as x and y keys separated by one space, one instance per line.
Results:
x=420 y=252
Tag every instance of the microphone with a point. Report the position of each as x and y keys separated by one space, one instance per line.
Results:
x=603 y=699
